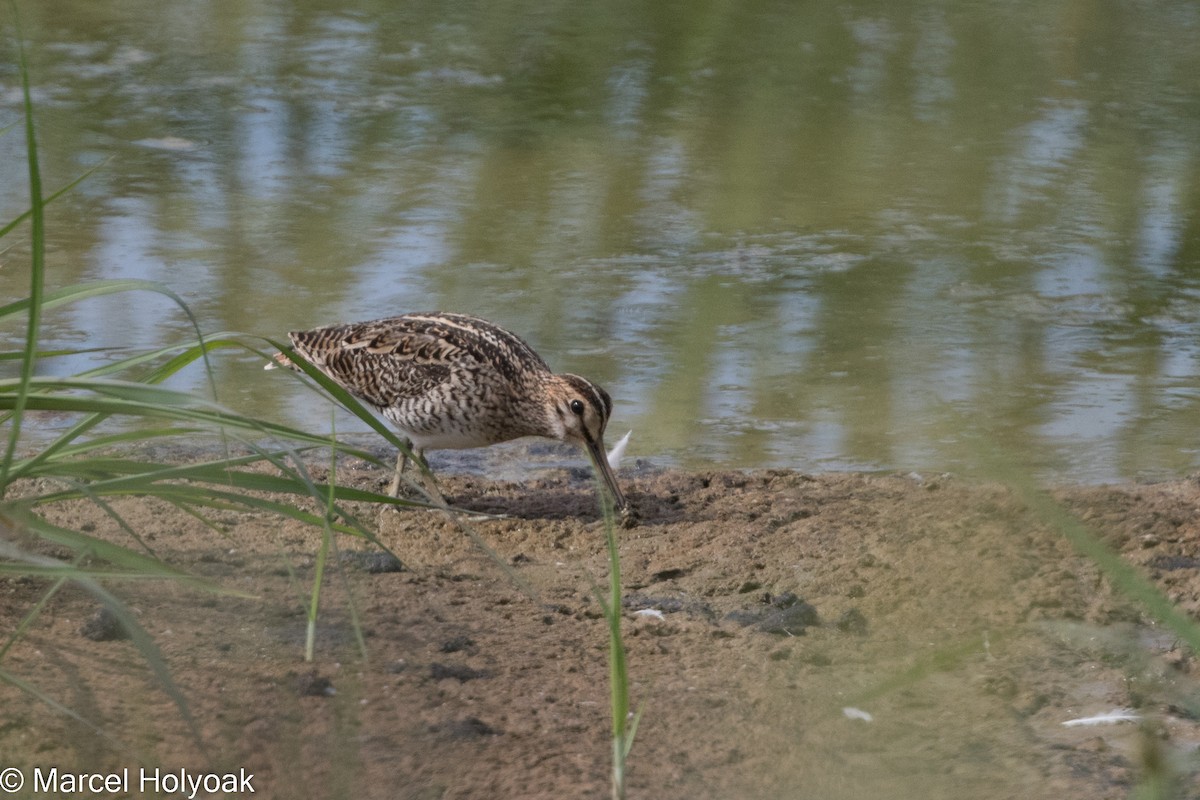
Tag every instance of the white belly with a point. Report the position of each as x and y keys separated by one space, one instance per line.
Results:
x=448 y=440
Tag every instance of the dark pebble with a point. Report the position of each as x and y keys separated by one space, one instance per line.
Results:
x=790 y=621
x=372 y=562
x=1171 y=563
x=313 y=684
x=468 y=728
x=103 y=626
x=668 y=574
x=785 y=600
x=744 y=616
x=458 y=643
x=459 y=672
x=787 y=615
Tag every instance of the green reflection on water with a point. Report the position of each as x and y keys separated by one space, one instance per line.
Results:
x=781 y=235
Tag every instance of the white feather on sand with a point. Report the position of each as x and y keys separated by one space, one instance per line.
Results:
x=1114 y=716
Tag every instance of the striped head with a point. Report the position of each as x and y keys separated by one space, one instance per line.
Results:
x=578 y=411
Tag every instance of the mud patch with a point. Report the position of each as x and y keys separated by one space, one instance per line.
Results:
x=788 y=635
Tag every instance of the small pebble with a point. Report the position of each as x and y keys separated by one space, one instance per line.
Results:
x=372 y=562
x=103 y=626
x=313 y=684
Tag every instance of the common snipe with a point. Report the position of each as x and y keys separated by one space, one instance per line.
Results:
x=451 y=381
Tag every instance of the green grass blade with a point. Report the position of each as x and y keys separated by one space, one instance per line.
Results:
x=45 y=354
x=141 y=640
x=119 y=476
x=314 y=600
x=201 y=497
x=300 y=475
x=623 y=726
x=108 y=441
x=344 y=398
x=83 y=291
x=37 y=237
x=36 y=611
x=114 y=554
x=50 y=198
x=36 y=303
x=37 y=694
x=137 y=400
x=1123 y=575
x=1003 y=466
x=328 y=545
x=182 y=356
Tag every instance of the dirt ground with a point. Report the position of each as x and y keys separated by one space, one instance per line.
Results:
x=787 y=604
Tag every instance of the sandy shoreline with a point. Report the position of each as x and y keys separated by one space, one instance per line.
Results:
x=944 y=609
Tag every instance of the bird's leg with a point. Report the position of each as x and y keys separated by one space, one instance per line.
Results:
x=426 y=476
x=427 y=479
x=401 y=463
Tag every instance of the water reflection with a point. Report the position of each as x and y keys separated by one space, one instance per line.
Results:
x=825 y=237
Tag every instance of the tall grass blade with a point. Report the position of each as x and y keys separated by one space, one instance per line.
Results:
x=50 y=198
x=36 y=611
x=310 y=634
x=624 y=725
x=1123 y=575
x=37 y=237
x=351 y=404
x=80 y=465
x=37 y=694
x=83 y=291
x=185 y=354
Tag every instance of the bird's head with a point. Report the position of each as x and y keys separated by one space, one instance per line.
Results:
x=578 y=412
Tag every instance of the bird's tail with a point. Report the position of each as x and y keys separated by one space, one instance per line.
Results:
x=279 y=360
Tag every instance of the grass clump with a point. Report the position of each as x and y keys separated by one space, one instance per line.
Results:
x=115 y=412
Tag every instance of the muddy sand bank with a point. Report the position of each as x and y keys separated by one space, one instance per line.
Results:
x=967 y=630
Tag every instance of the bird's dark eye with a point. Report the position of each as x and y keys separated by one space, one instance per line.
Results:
x=577 y=408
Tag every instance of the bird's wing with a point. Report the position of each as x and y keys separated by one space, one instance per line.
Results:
x=403 y=343
x=383 y=362
x=384 y=379
x=390 y=360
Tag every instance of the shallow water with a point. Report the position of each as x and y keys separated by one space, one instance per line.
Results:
x=852 y=235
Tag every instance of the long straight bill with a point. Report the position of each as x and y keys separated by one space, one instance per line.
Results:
x=596 y=452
